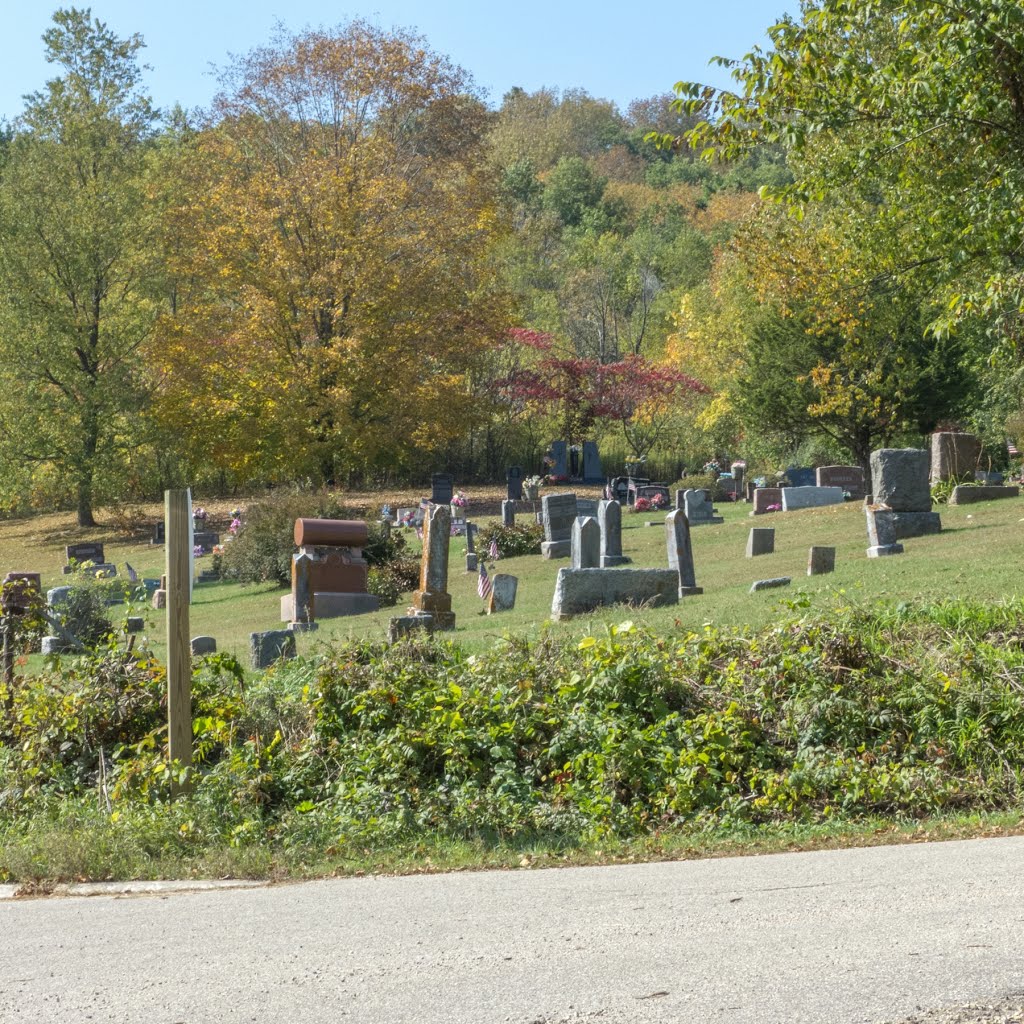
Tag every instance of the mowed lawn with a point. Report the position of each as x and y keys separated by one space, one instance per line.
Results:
x=978 y=555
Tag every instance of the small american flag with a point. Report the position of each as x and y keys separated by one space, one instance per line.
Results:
x=483 y=583
x=492 y=551
x=133 y=576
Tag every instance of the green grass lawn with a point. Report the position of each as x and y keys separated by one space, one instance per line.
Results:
x=975 y=557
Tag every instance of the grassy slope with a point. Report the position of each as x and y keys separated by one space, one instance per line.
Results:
x=976 y=556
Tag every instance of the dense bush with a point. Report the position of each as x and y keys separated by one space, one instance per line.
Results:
x=392 y=579
x=521 y=539
x=262 y=549
x=900 y=711
x=700 y=482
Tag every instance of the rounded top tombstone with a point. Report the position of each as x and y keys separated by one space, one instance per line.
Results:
x=342 y=533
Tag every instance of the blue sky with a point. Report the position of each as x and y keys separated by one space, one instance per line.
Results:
x=619 y=51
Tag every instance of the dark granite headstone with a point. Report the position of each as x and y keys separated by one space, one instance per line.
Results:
x=592 y=472
x=560 y=455
x=442 y=488
x=514 y=481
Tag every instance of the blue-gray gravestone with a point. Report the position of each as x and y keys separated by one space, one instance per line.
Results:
x=609 y=518
x=680 y=552
x=586 y=543
x=514 y=482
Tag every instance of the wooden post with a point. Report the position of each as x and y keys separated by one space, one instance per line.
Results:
x=177 y=515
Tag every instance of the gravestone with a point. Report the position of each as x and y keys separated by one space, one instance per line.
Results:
x=508 y=513
x=404 y=625
x=899 y=479
x=771 y=584
x=585 y=543
x=749 y=486
x=810 y=497
x=202 y=645
x=849 y=478
x=79 y=553
x=134 y=624
x=899 y=483
x=560 y=459
x=57 y=596
x=337 y=572
x=738 y=470
x=988 y=478
x=303 y=590
x=821 y=560
x=882 y=539
x=442 y=488
x=968 y=495
x=582 y=590
x=699 y=511
x=471 y=556
x=800 y=476
x=592 y=472
x=609 y=518
x=761 y=541
x=764 y=497
x=159 y=533
x=558 y=513
x=271 y=646
x=514 y=483
x=503 y=593
x=954 y=455
x=432 y=596
x=586 y=507
x=680 y=552
x=205 y=539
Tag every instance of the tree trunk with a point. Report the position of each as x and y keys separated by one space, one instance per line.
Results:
x=85 y=516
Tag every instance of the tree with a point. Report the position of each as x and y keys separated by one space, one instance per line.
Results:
x=342 y=290
x=75 y=278
x=913 y=106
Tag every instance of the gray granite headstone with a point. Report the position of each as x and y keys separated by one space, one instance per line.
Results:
x=268 y=647
x=508 y=513
x=586 y=507
x=586 y=543
x=609 y=518
x=761 y=541
x=432 y=596
x=899 y=479
x=821 y=560
x=954 y=456
x=404 y=625
x=582 y=590
x=800 y=476
x=57 y=596
x=558 y=513
x=777 y=581
x=134 y=624
x=680 y=552
x=882 y=539
x=503 y=593
x=202 y=645
x=699 y=511
x=810 y=497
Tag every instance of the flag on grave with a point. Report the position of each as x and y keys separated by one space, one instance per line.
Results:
x=483 y=583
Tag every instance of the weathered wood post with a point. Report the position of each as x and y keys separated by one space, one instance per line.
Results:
x=178 y=516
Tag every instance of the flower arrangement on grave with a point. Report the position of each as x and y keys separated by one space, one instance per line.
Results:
x=533 y=481
x=562 y=478
x=714 y=467
x=773 y=508
x=642 y=505
x=459 y=500
x=548 y=461
x=197 y=551
x=236 y=525
x=408 y=519
x=199 y=516
x=236 y=513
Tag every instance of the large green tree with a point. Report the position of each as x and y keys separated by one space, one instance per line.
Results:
x=74 y=271
x=914 y=106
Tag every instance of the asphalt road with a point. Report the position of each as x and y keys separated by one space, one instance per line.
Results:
x=856 y=935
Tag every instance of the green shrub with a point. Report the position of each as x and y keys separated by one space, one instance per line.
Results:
x=700 y=482
x=262 y=549
x=942 y=490
x=521 y=539
x=392 y=579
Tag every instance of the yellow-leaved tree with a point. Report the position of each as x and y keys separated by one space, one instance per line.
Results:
x=334 y=294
